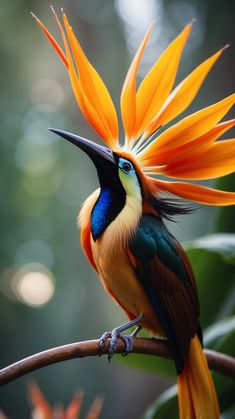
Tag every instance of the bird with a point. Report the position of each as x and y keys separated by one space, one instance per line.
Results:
x=141 y=265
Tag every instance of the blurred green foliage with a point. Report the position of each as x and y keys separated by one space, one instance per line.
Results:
x=44 y=181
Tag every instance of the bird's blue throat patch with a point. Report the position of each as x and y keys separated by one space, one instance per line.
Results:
x=105 y=210
x=100 y=212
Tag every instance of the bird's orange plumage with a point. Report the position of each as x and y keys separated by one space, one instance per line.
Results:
x=187 y=150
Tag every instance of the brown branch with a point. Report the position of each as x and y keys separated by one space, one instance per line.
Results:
x=218 y=362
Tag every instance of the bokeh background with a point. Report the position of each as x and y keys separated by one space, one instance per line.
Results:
x=49 y=295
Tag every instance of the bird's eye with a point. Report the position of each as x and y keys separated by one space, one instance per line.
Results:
x=126 y=167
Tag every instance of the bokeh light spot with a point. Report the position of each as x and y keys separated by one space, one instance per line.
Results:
x=136 y=15
x=136 y=12
x=33 y=284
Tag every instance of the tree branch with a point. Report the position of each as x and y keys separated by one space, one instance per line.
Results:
x=218 y=362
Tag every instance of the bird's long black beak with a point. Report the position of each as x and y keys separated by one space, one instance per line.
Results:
x=97 y=153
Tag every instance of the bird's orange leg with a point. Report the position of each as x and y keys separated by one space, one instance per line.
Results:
x=118 y=333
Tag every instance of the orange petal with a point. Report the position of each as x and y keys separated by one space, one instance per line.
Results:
x=183 y=94
x=86 y=107
x=158 y=83
x=177 y=154
x=52 y=41
x=218 y=160
x=91 y=94
x=128 y=95
x=189 y=128
x=95 y=409
x=94 y=89
x=196 y=193
x=203 y=173
x=74 y=408
x=39 y=401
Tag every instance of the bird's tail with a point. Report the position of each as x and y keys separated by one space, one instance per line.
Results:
x=196 y=391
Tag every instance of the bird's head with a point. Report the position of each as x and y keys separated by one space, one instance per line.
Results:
x=186 y=150
x=118 y=170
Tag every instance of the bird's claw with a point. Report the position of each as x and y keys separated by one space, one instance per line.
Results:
x=128 y=344
x=104 y=337
x=118 y=333
x=115 y=335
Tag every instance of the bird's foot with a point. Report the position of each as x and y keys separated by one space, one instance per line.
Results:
x=114 y=336
x=116 y=333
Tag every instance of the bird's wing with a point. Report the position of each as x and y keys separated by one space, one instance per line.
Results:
x=166 y=275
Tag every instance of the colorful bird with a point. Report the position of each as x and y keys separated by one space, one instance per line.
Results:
x=140 y=264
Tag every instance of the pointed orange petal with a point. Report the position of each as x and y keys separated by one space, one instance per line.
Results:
x=90 y=92
x=203 y=173
x=69 y=64
x=74 y=408
x=86 y=107
x=177 y=154
x=94 y=89
x=183 y=94
x=95 y=409
x=128 y=95
x=189 y=128
x=52 y=40
x=218 y=160
x=196 y=193
x=39 y=401
x=158 y=83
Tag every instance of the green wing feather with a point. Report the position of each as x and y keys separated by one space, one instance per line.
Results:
x=166 y=275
